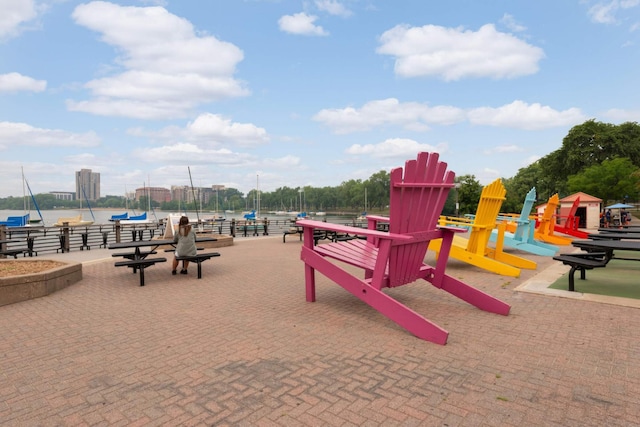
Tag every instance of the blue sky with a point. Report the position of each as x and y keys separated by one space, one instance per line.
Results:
x=294 y=93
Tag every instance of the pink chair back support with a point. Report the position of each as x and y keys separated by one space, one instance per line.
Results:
x=416 y=201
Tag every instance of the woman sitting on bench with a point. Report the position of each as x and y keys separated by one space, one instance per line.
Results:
x=186 y=244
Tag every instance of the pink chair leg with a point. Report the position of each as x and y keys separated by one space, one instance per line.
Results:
x=474 y=296
x=310 y=283
x=404 y=316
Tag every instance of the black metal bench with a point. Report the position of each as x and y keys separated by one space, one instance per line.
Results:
x=140 y=264
x=293 y=230
x=13 y=252
x=582 y=262
x=198 y=259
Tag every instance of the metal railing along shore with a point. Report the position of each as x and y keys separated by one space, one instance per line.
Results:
x=34 y=240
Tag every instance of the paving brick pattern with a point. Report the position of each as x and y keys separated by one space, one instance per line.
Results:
x=241 y=347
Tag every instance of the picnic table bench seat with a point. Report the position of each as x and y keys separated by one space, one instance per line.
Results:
x=199 y=259
x=140 y=264
x=292 y=230
x=582 y=262
x=13 y=252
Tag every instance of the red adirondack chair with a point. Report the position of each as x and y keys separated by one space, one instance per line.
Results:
x=396 y=257
x=569 y=224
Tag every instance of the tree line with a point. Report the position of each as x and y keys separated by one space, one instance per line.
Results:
x=600 y=159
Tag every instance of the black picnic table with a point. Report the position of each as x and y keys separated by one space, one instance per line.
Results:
x=614 y=236
x=609 y=247
x=598 y=253
x=139 y=259
x=619 y=230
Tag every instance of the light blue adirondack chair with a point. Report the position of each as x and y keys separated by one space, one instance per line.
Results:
x=522 y=238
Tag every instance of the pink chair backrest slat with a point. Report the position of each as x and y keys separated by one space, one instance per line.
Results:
x=416 y=202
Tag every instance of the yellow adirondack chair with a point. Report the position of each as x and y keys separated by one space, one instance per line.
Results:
x=545 y=232
x=476 y=250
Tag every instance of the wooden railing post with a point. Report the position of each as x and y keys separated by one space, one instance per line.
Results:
x=3 y=236
x=118 y=231
x=65 y=233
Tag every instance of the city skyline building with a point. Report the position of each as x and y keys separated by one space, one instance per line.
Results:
x=87 y=185
x=157 y=194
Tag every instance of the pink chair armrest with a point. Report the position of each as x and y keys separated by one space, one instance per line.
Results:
x=309 y=223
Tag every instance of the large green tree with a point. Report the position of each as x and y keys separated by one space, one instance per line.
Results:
x=612 y=180
x=519 y=185
x=469 y=191
x=589 y=144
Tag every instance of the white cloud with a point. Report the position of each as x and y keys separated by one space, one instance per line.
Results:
x=285 y=162
x=490 y=174
x=301 y=23
x=521 y=115
x=455 y=53
x=395 y=148
x=213 y=126
x=15 y=13
x=512 y=148
x=606 y=12
x=155 y=2
x=168 y=68
x=15 y=82
x=410 y=115
x=333 y=7
x=187 y=153
x=22 y=134
x=510 y=22
x=211 y=130
x=184 y=153
x=418 y=117
x=621 y=116
x=530 y=160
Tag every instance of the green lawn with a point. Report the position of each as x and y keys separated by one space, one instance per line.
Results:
x=618 y=279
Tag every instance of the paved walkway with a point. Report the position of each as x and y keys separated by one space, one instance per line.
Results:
x=242 y=347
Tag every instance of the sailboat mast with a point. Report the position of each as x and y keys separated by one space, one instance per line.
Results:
x=258 y=195
x=24 y=194
x=194 y=194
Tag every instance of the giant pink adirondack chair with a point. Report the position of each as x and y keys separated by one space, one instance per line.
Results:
x=396 y=258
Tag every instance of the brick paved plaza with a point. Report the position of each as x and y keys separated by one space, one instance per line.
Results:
x=241 y=346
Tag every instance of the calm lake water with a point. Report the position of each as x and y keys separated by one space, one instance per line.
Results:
x=101 y=216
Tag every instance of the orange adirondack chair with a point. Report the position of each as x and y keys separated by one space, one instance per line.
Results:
x=545 y=231
x=396 y=257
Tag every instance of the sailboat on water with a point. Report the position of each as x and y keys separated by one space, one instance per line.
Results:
x=77 y=221
x=33 y=221
x=24 y=220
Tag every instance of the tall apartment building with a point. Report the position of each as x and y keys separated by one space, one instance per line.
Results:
x=87 y=184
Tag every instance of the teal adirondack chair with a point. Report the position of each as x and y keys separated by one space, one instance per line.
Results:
x=396 y=257
x=522 y=238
